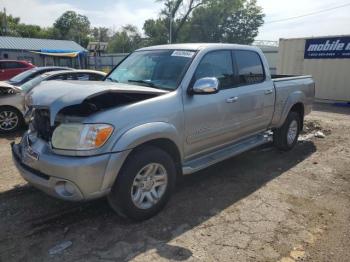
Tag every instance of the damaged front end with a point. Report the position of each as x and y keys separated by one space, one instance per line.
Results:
x=65 y=152
x=74 y=102
x=6 y=90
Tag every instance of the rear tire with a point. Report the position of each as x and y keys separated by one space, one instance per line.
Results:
x=286 y=137
x=10 y=120
x=144 y=184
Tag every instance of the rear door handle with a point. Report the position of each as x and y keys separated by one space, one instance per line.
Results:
x=232 y=99
x=269 y=91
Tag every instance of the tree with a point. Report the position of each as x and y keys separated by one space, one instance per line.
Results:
x=100 y=34
x=11 y=26
x=126 y=40
x=156 y=31
x=231 y=21
x=8 y=24
x=178 y=12
x=242 y=26
x=24 y=30
x=73 y=26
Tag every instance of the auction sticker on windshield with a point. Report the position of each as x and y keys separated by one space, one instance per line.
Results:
x=183 y=53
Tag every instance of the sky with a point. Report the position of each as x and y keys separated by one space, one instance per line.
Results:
x=116 y=13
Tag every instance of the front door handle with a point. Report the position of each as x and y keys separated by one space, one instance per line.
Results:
x=232 y=99
x=268 y=91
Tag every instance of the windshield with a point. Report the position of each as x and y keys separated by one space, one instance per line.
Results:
x=31 y=83
x=156 y=68
x=22 y=76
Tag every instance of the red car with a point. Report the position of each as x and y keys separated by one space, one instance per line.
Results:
x=10 y=68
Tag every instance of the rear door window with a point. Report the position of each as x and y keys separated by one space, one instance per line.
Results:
x=83 y=76
x=58 y=77
x=96 y=77
x=71 y=76
x=249 y=66
x=217 y=64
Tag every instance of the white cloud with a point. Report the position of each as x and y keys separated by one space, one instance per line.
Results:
x=334 y=22
x=121 y=14
x=34 y=12
x=115 y=16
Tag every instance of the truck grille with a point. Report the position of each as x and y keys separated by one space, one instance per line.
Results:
x=41 y=123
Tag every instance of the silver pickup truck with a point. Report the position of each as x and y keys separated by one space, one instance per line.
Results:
x=164 y=111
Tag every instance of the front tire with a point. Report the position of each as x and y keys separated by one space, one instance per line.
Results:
x=286 y=137
x=144 y=184
x=10 y=120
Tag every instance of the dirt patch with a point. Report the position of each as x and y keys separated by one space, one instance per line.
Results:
x=264 y=205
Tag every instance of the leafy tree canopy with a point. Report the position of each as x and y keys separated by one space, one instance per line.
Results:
x=71 y=25
x=231 y=21
x=126 y=40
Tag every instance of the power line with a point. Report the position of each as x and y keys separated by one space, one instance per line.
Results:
x=308 y=14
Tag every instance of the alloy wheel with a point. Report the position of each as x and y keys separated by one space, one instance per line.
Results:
x=149 y=185
x=8 y=120
x=292 y=132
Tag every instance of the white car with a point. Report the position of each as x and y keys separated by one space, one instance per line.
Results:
x=12 y=97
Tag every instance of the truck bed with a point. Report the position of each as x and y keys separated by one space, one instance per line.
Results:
x=291 y=88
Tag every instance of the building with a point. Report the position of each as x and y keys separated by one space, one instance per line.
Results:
x=43 y=52
x=327 y=59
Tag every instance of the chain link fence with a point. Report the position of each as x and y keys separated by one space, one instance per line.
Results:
x=105 y=62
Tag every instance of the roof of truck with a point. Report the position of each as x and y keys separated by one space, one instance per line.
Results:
x=199 y=46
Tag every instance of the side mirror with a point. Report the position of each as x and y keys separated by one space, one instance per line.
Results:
x=206 y=86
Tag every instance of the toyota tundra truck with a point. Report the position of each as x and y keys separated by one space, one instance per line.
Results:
x=163 y=112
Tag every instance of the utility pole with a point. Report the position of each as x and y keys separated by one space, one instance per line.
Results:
x=171 y=26
x=170 y=30
x=4 y=29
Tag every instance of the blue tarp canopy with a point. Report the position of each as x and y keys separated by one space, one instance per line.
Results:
x=61 y=53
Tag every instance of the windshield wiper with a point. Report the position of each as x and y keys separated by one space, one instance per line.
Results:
x=148 y=83
x=111 y=79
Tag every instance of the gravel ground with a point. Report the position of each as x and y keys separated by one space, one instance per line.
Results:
x=264 y=205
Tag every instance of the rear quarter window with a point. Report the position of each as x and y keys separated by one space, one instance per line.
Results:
x=249 y=67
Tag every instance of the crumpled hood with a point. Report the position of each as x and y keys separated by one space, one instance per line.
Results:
x=7 y=86
x=56 y=95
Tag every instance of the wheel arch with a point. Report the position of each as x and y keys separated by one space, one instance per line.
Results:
x=160 y=133
x=169 y=147
x=295 y=103
x=12 y=107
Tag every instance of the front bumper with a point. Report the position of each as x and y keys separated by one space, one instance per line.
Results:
x=87 y=177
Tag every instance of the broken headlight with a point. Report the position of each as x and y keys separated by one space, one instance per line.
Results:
x=81 y=136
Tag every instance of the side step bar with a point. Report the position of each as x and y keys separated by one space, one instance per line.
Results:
x=225 y=153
